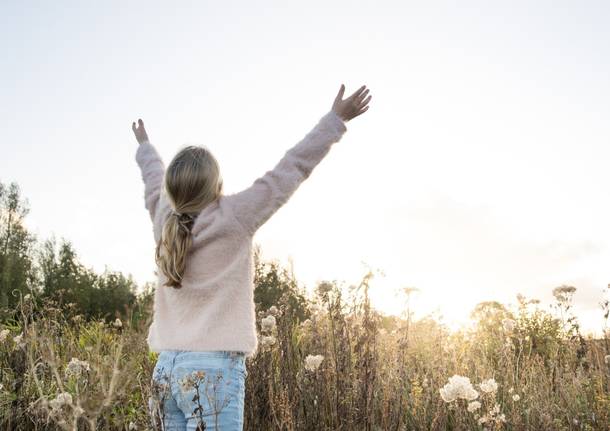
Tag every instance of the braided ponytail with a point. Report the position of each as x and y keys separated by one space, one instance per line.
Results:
x=192 y=181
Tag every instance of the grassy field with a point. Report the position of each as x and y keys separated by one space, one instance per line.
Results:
x=337 y=364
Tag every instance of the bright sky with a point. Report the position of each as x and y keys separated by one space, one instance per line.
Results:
x=480 y=170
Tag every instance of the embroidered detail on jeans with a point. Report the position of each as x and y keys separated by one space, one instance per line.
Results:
x=204 y=393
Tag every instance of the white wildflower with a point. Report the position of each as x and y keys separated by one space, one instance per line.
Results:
x=458 y=387
x=185 y=384
x=65 y=398
x=27 y=297
x=473 y=406
x=312 y=362
x=268 y=323
x=508 y=324
x=4 y=334
x=273 y=310
x=76 y=367
x=511 y=390
x=267 y=341
x=488 y=386
x=117 y=323
x=516 y=397
x=18 y=339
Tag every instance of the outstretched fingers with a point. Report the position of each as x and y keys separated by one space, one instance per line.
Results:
x=339 y=97
x=357 y=93
x=363 y=106
x=364 y=102
x=361 y=97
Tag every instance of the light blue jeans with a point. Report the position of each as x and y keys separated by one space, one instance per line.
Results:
x=198 y=390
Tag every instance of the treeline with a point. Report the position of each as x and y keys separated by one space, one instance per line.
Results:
x=51 y=269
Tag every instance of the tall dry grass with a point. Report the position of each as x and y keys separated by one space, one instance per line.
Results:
x=346 y=367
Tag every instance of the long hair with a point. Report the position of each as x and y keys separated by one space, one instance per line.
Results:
x=192 y=181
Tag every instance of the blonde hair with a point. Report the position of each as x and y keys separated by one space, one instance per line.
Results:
x=192 y=181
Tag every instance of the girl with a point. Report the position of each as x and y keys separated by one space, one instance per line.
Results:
x=204 y=321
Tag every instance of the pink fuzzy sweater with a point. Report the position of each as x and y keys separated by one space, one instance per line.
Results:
x=214 y=309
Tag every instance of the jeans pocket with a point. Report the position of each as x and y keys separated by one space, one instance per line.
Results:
x=203 y=391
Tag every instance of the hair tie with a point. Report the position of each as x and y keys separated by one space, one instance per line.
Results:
x=182 y=216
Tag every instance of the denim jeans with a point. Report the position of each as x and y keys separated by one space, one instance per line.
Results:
x=198 y=390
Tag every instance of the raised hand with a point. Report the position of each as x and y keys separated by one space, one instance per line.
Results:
x=139 y=131
x=354 y=105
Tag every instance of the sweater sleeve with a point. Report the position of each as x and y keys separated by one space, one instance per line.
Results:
x=253 y=206
x=152 y=170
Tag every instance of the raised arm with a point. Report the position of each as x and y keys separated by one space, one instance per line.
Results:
x=256 y=204
x=151 y=167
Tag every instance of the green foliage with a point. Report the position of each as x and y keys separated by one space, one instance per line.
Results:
x=272 y=282
x=53 y=271
x=16 y=247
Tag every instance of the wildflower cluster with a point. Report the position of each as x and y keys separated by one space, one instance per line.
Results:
x=458 y=387
x=268 y=327
x=76 y=367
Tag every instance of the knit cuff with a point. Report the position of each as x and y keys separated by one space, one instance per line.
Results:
x=336 y=122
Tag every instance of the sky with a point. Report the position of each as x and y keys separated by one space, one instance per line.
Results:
x=480 y=170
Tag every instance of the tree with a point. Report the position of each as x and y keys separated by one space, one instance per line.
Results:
x=16 y=247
